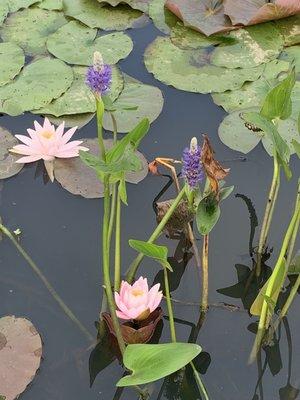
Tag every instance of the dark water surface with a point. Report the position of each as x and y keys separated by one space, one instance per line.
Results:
x=61 y=232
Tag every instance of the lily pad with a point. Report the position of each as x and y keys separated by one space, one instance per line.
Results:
x=292 y=55
x=106 y=17
x=148 y=100
x=78 y=179
x=162 y=18
x=75 y=43
x=4 y=10
x=189 y=69
x=20 y=355
x=12 y=60
x=30 y=29
x=250 y=12
x=79 y=99
x=206 y=16
x=239 y=136
x=51 y=4
x=37 y=85
x=15 y=5
x=71 y=121
x=8 y=165
x=290 y=29
x=141 y=5
x=254 y=46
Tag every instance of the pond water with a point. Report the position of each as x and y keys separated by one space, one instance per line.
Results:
x=62 y=234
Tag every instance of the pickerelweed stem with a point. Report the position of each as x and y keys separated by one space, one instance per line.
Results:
x=45 y=281
x=100 y=113
x=199 y=382
x=169 y=305
x=158 y=230
x=204 y=301
x=118 y=244
x=273 y=193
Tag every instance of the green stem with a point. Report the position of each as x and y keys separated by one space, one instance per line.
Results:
x=169 y=305
x=100 y=113
x=268 y=213
x=199 y=382
x=115 y=127
x=45 y=281
x=136 y=262
x=112 y=212
x=118 y=244
x=106 y=272
x=204 y=302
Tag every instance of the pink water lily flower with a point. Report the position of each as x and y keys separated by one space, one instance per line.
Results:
x=137 y=301
x=46 y=143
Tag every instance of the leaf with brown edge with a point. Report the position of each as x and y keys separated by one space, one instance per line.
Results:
x=214 y=170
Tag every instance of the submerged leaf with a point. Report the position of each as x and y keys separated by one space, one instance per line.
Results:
x=150 y=362
x=12 y=60
x=83 y=42
x=20 y=355
x=8 y=165
x=189 y=69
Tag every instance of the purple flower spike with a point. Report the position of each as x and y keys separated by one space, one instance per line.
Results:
x=99 y=76
x=192 y=169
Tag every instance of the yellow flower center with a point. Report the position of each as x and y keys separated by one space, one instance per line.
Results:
x=47 y=134
x=137 y=292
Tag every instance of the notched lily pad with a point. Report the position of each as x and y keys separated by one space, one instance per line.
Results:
x=31 y=27
x=189 y=69
x=20 y=355
x=37 y=85
x=8 y=165
x=141 y=5
x=146 y=102
x=77 y=178
x=12 y=59
x=75 y=43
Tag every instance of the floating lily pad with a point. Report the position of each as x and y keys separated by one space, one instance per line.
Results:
x=78 y=179
x=237 y=135
x=20 y=355
x=141 y=5
x=37 y=85
x=290 y=29
x=51 y=4
x=254 y=46
x=204 y=16
x=12 y=60
x=4 y=10
x=188 y=69
x=250 y=12
x=15 y=5
x=252 y=94
x=8 y=165
x=30 y=29
x=162 y=18
x=292 y=55
x=106 y=17
x=75 y=43
x=71 y=121
x=148 y=100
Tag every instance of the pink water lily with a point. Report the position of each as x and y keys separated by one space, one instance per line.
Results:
x=137 y=301
x=46 y=143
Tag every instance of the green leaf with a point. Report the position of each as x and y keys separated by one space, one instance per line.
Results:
x=296 y=147
x=75 y=43
x=150 y=362
x=225 y=192
x=162 y=18
x=159 y=253
x=15 y=5
x=208 y=214
x=278 y=103
x=271 y=303
x=290 y=29
x=12 y=60
x=51 y=4
x=122 y=190
x=294 y=267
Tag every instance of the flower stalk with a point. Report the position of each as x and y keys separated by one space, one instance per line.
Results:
x=205 y=248
x=118 y=243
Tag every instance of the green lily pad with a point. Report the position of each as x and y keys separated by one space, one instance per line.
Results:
x=239 y=136
x=4 y=10
x=78 y=179
x=162 y=18
x=106 y=17
x=295 y=97
x=292 y=55
x=30 y=29
x=12 y=60
x=15 y=5
x=252 y=94
x=79 y=99
x=37 y=85
x=8 y=165
x=254 y=46
x=51 y=5
x=71 y=121
x=188 y=69
x=141 y=5
x=290 y=29
x=75 y=43
x=148 y=100
x=204 y=16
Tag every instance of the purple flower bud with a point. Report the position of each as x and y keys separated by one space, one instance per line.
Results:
x=99 y=76
x=192 y=169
